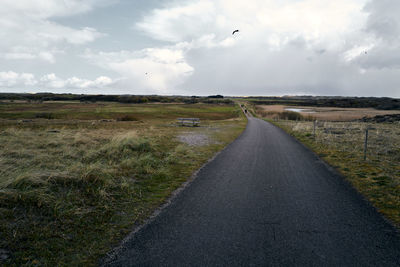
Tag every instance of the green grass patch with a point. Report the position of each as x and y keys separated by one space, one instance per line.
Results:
x=116 y=111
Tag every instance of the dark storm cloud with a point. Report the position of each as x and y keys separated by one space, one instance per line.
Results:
x=383 y=19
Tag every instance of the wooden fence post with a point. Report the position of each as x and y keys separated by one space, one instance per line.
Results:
x=366 y=143
x=314 y=122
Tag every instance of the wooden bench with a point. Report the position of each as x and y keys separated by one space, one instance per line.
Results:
x=188 y=121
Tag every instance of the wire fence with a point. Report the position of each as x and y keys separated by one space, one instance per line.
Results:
x=370 y=140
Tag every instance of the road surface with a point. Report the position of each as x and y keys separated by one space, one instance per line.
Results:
x=265 y=200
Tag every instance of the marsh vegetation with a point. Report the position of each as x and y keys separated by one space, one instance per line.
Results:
x=286 y=112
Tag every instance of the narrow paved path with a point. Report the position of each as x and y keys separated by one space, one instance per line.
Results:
x=265 y=201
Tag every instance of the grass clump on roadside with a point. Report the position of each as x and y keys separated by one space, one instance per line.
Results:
x=71 y=190
x=341 y=144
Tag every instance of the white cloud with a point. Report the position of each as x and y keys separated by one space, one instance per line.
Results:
x=19 y=56
x=180 y=23
x=45 y=8
x=311 y=46
x=383 y=25
x=103 y=81
x=383 y=19
x=52 y=81
x=11 y=79
x=267 y=21
x=47 y=56
x=42 y=55
x=151 y=70
x=28 y=25
x=30 y=53
x=357 y=51
x=99 y=82
x=287 y=46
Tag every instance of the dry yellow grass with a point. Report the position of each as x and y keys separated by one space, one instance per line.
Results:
x=324 y=113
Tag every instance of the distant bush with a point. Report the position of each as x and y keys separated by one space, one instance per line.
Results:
x=48 y=116
x=323 y=101
x=290 y=115
x=127 y=118
x=128 y=99
x=285 y=115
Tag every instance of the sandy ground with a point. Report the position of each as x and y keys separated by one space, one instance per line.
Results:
x=194 y=139
x=331 y=113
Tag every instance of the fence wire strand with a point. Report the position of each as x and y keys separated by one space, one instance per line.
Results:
x=383 y=139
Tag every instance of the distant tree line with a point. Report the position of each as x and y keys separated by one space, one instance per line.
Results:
x=384 y=103
x=216 y=96
x=135 y=99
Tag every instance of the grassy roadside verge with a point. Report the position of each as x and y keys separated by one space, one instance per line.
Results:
x=70 y=190
x=341 y=146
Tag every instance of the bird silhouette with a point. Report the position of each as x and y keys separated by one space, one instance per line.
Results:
x=235 y=31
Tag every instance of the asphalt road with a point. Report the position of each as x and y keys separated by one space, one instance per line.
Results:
x=265 y=200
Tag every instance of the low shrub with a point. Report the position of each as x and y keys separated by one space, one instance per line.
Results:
x=126 y=117
x=291 y=115
x=285 y=115
x=46 y=115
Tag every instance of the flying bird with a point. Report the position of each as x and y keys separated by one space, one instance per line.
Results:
x=235 y=31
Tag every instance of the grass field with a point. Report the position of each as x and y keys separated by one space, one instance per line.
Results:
x=341 y=144
x=112 y=111
x=75 y=178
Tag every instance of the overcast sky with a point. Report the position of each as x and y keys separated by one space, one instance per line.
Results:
x=295 y=47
